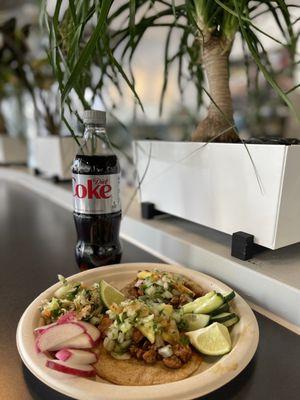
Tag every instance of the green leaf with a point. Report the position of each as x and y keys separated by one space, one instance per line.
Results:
x=292 y=89
x=122 y=72
x=70 y=129
x=73 y=11
x=166 y=70
x=89 y=48
x=240 y=16
x=132 y=19
x=263 y=69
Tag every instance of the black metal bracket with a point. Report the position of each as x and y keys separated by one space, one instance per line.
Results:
x=242 y=245
x=54 y=178
x=148 y=210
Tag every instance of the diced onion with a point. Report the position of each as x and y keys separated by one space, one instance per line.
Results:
x=150 y=291
x=131 y=312
x=112 y=333
x=165 y=351
x=147 y=319
x=167 y=295
x=121 y=337
x=125 y=344
x=111 y=314
x=125 y=326
x=108 y=344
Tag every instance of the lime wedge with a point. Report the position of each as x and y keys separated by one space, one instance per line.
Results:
x=109 y=294
x=214 y=340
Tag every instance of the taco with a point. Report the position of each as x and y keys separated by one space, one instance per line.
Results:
x=163 y=287
x=134 y=372
x=142 y=342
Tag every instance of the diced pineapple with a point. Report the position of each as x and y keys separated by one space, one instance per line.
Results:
x=147 y=330
x=144 y=274
x=171 y=337
x=168 y=309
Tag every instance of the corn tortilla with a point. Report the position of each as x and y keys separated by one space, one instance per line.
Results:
x=133 y=372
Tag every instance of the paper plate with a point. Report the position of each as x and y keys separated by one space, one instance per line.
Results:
x=213 y=373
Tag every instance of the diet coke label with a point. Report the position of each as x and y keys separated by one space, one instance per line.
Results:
x=96 y=194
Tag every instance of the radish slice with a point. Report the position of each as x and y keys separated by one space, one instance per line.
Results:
x=70 y=316
x=63 y=354
x=76 y=356
x=50 y=338
x=82 y=341
x=66 y=367
x=40 y=329
x=91 y=330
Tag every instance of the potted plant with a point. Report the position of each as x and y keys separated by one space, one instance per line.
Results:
x=222 y=182
x=13 y=149
x=53 y=153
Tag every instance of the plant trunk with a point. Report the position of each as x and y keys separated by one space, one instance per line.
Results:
x=219 y=119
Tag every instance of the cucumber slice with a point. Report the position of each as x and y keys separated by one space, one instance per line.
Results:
x=222 y=317
x=190 y=307
x=210 y=304
x=224 y=308
x=195 y=321
x=229 y=296
x=232 y=321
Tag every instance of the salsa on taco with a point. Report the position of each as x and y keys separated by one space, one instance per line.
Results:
x=142 y=342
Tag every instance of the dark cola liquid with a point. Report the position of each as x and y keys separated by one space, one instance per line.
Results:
x=98 y=235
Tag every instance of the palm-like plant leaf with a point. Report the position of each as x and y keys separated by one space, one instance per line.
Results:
x=77 y=42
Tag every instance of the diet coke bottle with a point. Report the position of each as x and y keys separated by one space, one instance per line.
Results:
x=96 y=196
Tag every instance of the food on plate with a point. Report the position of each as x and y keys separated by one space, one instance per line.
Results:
x=140 y=331
x=91 y=330
x=76 y=356
x=50 y=338
x=192 y=321
x=156 y=330
x=134 y=372
x=163 y=287
x=67 y=339
x=73 y=296
x=110 y=295
x=136 y=336
x=82 y=341
x=214 y=340
x=84 y=370
x=204 y=304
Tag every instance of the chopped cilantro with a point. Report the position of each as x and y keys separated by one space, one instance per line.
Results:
x=184 y=340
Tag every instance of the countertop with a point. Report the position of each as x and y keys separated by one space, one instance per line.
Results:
x=37 y=243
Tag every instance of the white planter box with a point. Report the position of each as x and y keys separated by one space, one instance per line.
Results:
x=12 y=150
x=53 y=155
x=215 y=185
